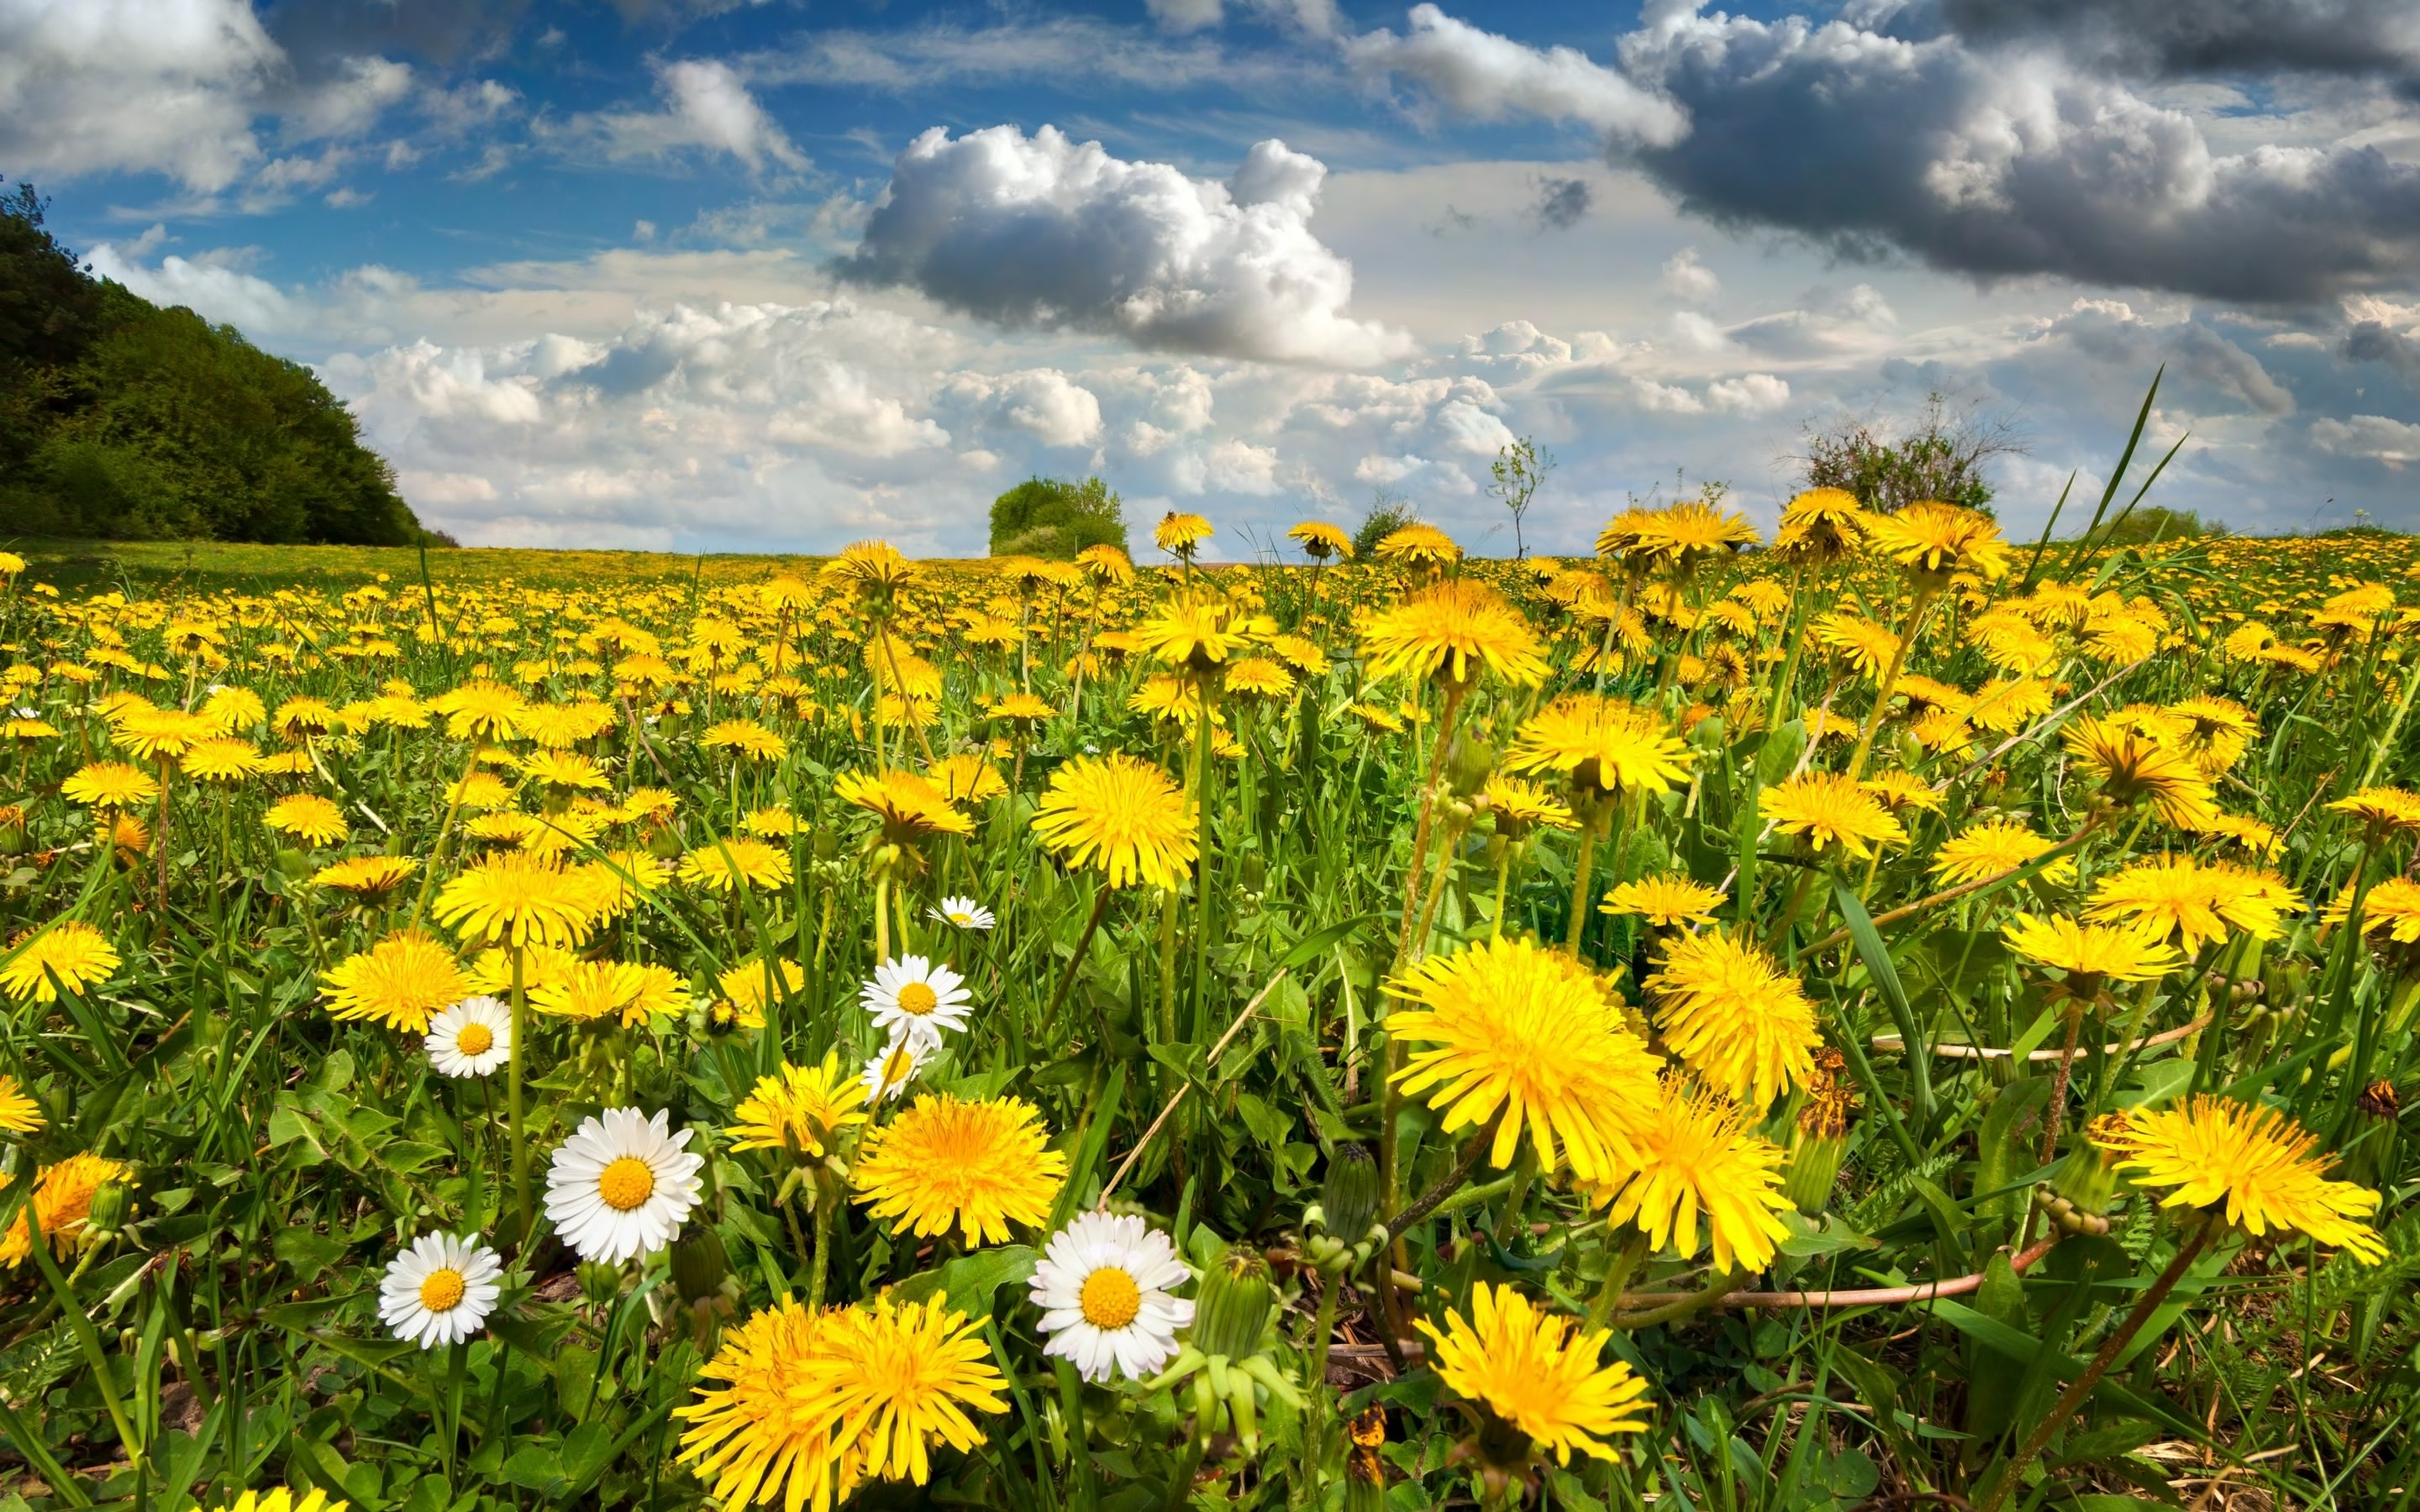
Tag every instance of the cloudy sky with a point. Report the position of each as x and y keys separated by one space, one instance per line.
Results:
x=703 y=275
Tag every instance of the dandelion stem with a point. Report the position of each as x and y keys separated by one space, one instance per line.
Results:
x=2010 y=1472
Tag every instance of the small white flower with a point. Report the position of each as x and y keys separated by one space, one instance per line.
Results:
x=916 y=998
x=887 y=1075
x=440 y=1290
x=961 y=913
x=1102 y=1284
x=470 y=1038
x=622 y=1185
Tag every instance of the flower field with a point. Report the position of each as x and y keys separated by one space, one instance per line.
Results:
x=1883 y=1016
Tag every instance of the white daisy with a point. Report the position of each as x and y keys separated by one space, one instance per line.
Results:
x=961 y=913
x=917 y=998
x=440 y=1290
x=622 y=1185
x=1102 y=1284
x=887 y=1075
x=470 y=1038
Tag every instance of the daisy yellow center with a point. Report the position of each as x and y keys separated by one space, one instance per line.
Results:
x=442 y=1290
x=1111 y=1298
x=898 y=1066
x=959 y=916
x=917 y=998
x=626 y=1183
x=474 y=1040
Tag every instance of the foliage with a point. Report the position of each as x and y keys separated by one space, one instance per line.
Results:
x=1389 y=512
x=1942 y=453
x=122 y=420
x=1053 y=518
x=2147 y=524
x=1210 y=1062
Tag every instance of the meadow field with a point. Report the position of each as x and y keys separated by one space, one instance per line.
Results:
x=1881 y=1016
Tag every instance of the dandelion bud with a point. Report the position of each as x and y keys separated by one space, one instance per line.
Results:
x=700 y=1264
x=1232 y=1309
x=1348 y=1200
x=113 y=1202
x=1818 y=1143
x=2369 y=1148
x=1469 y=763
x=2078 y=1193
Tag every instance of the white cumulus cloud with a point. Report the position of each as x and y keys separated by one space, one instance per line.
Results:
x=1044 y=231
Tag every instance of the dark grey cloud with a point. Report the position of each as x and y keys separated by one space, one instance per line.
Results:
x=2188 y=37
x=322 y=34
x=1562 y=203
x=2005 y=163
x=2375 y=341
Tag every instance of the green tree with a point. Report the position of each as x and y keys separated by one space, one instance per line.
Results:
x=1389 y=512
x=1942 y=453
x=1054 y=518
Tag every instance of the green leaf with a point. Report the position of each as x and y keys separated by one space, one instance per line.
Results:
x=307 y=1251
x=1877 y=958
x=1320 y=941
x=971 y=1280
x=2002 y=1339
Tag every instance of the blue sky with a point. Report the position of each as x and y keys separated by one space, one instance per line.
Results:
x=693 y=274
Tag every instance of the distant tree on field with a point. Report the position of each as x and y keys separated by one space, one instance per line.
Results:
x=1054 y=518
x=1389 y=512
x=1943 y=452
x=1514 y=477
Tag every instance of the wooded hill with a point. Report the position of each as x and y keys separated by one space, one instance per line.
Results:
x=120 y=420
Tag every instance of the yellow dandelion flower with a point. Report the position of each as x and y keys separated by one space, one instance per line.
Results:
x=1993 y=846
x=977 y=1164
x=1727 y=1011
x=1934 y=538
x=309 y=817
x=749 y=1438
x=62 y=1204
x=2133 y=768
x=2248 y=1164
x=1603 y=745
x=1697 y=1153
x=366 y=876
x=1669 y=901
x=1454 y=630
x=399 y=981
x=68 y=951
x=892 y=1379
x=799 y=1109
x=2199 y=904
x=1538 y=1373
x=910 y=806
x=1320 y=540
x=109 y=785
x=729 y=864
x=2134 y=951
x=1827 y=809
x=1120 y=816
x=1515 y=1029
x=519 y=900
x=752 y=986
x=18 y=1113
x=1518 y=806
x=745 y=737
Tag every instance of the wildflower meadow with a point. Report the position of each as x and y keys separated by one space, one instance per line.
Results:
x=1878 y=1014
